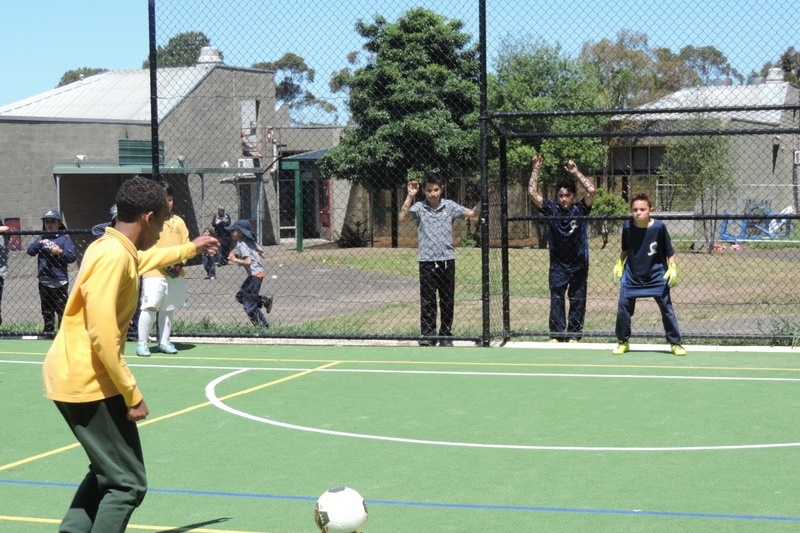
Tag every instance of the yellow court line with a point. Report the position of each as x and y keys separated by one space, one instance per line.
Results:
x=31 y=520
x=188 y=529
x=33 y=458
x=176 y=413
x=28 y=519
x=240 y=393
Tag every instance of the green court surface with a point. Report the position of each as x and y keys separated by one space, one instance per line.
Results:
x=537 y=437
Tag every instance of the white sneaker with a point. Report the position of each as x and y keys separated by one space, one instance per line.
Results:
x=167 y=347
x=142 y=350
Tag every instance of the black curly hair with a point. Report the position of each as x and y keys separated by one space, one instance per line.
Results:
x=137 y=196
x=569 y=184
x=433 y=178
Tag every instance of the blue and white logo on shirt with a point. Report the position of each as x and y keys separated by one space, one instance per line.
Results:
x=573 y=225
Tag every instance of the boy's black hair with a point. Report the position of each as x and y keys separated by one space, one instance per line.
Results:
x=167 y=187
x=433 y=178
x=137 y=196
x=640 y=196
x=569 y=184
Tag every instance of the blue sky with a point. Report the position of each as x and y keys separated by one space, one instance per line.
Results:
x=42 y=40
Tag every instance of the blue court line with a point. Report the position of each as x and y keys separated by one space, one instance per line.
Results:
x=461 y=506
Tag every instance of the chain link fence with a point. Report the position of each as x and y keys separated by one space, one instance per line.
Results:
x=309 y=119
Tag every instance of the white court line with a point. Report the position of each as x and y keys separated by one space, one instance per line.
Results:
x=212 y=397
x=446 y=372
x=647 y=347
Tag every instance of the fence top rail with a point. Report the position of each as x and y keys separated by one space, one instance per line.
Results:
x=509 y=133
x=687 y=216
x=639 y=111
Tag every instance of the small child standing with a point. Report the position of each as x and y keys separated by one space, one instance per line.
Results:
x=245 y=253
x=209 y=259
x=646 y=268
x=55 y=251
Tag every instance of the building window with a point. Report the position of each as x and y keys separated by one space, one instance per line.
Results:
x=621 y=161
x=642 y=166
x=636 y=160
x=656 y=158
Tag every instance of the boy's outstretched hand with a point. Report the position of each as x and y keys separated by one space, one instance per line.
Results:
x=205 y=244
x=412 y=188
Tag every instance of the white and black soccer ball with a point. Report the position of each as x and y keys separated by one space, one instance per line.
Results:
x=341 y=510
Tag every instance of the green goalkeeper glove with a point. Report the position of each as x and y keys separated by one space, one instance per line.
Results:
x=618 y=270
x=672 y=275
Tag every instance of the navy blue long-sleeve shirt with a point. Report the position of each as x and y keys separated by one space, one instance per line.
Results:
x=53 y=266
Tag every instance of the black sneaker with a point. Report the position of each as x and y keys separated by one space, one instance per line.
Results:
x=266 y=301
x=446 y=343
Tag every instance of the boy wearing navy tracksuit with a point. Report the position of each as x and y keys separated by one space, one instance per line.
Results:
x=569 y=249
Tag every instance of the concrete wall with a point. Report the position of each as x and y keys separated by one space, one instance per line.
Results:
x=206 y=127
x=29 y=150
x=301 y=139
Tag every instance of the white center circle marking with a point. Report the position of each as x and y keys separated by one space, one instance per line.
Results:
x=211 y=394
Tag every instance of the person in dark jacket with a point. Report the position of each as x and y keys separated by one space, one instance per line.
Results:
x=55 y=252
x=99 y=229
x=3 y=259
x=220 y=222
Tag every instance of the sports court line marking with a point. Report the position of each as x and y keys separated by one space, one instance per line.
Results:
x=44 y=455
x=635 y=347
x=327 y=368
x=220 y=404
x=434 y=505
x=485 y=363
x=173 y=414
x=425 y=363
x=172 y=529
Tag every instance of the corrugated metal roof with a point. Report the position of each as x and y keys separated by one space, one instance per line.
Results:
x=308 y=156
x=764 y=94
x=115 y=96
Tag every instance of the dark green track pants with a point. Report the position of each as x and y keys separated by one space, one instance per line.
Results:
x=116 y=482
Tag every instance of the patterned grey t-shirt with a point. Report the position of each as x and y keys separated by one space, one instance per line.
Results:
x=435 y=229
x=244 y=249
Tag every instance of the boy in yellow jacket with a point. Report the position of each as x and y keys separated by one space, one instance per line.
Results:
x=85 y=373
x=163 y=289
